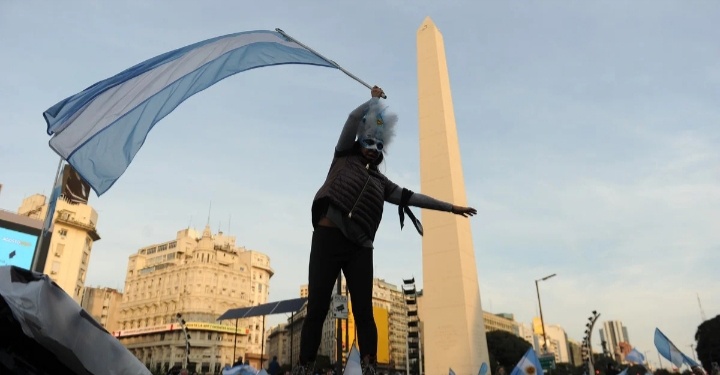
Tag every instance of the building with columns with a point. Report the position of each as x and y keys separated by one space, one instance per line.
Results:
x=194 y=278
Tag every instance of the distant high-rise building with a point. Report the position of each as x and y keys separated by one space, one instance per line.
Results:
x=74 y=233
x=528 y=334
x=199 y=277
x=557 y=341
x=611 y=335
x=500 y=322
x=390 y=317
x=575 y=350
x=103 y=305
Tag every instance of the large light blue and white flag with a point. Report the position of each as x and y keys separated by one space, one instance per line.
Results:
x=668 y=350
x=635 y=357
x=483 y=369
x=529 y=364
x=353 y=366
x=240 y=370
x=99 y=130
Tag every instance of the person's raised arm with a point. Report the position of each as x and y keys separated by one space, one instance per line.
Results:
x=349 y=131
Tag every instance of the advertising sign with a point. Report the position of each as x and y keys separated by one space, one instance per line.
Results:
x=16 y=248
x=339 y=307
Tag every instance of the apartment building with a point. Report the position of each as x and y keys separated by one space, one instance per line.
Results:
x=189 y=282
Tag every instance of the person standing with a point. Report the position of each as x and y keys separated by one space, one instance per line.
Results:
x=346 y=213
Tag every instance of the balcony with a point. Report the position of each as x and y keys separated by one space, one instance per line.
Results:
x=89 y=227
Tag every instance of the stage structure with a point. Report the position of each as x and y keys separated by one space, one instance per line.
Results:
x=280 y=307
x=454 y=332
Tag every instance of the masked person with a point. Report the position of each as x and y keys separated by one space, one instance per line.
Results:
x=346 y=214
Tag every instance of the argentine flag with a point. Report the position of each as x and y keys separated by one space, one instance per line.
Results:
x=529 y=364
x=99 y=130
x=635 y=357
x=668 y=350
x=353 y=366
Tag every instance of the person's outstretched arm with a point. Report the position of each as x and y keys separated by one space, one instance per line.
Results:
x=424 y=201
x=349 y=131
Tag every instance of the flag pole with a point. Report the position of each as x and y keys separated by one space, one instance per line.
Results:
x=328 y=60
x=43 y=231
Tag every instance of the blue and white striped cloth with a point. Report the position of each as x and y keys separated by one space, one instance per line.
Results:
x=99 y=130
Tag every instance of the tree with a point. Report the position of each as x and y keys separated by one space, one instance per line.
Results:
x=505 y=350
x=708 y=343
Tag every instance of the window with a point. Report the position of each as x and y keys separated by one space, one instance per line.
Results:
x=59 y=249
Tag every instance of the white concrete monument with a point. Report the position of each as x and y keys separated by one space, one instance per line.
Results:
x=454 y=332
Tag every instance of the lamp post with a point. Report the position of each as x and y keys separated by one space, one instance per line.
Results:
x=542 y=321
x=181 y=321
x=587 y=342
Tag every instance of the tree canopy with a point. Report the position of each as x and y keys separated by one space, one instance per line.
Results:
x=708 y=343
x=505 y=350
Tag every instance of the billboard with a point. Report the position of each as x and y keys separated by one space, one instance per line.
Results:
x=17 y=248
x=382 y=321
x=19 y=236
x=74 y=188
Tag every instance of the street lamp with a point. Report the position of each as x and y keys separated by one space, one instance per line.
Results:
x=542 y=321
x=181 y=321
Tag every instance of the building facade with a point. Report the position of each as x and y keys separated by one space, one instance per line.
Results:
x=74 y=234
x=611 y=335
x=193 y=279
x=557 y=341
x=103 y=305
x=575 y=352
x=527 y=333
x=390 y=317
x=500 y=322
x=278 y=343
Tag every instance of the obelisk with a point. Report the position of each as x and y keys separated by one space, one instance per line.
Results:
x=454 y=332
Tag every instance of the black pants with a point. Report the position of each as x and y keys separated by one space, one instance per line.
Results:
x=330 y=253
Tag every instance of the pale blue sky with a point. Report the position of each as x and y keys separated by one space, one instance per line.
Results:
x=589 y=137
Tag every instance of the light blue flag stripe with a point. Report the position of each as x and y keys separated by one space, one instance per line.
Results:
x=668 y=350
x=529 y=364
x=635 y=357
x=99 y=130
